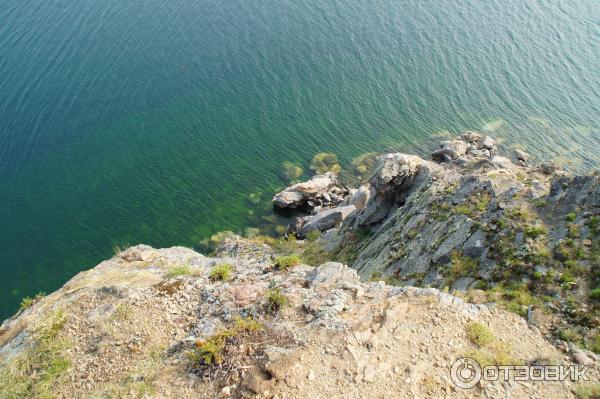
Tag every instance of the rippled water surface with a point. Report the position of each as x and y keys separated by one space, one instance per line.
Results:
x=154 y=121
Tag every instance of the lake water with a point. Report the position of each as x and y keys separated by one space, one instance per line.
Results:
x=155 y=121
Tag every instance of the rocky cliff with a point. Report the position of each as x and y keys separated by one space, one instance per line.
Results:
x=503 y=256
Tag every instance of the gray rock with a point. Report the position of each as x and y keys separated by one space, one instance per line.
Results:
x=462 y=284
x=360 y=197
x=332 y=274
x=451 y=148
x=474 y=246
x=396 y=175
x=471 y=137
x=580 y=356
x=488 y=143
x=453 y=241
x=480 y=153
x=502 y=162
x=521 y=155
x=301 y=193
x=325 y=220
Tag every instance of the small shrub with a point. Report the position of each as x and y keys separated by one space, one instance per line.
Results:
x=594 y=225
x=247 y=324
x=462 y=265
x=571 y=216
x=221 y=272
x=376 y=276
x=594 y=344
x=570 y=335
x=275 y=299
x=463 y=210
x=539 y=203
x=481 y=203
x=479 y=334
x=287 y=262
x=497 y=353
x=313 y=235
x=28 y=302
x=123 y=311
x=176 y=271
x=595 y=294
x=210 y=351
x=573 y=231
x=535 y=231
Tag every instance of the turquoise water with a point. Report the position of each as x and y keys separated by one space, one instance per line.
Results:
x=153 y=121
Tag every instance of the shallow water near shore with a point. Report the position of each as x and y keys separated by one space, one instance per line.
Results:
x=165 y=122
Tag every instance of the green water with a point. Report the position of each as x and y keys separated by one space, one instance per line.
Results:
x=152 y=122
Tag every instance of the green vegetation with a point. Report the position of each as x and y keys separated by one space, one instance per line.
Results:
x=221 y=272
x=216 y=239
x=490 y=351
x=479 y=334
x=275 y=300
x=287 y=262
x=573 y=231
x=462 y=266
x=587 y=391
x=571 y=216
x=224 y=346
x=176 y=271
x=463 y=210
x=539 y=203
x=535 y=231
x=28 y=302
x=440 y=211
x=594 y=225
x=291 y=171
x=570 y=335
x=123 y=311
x=325 y=162
x=39 y=370
x=210 y=352
x=594 y=343
x=313 y=235
x=595 y=294
x=474 y=205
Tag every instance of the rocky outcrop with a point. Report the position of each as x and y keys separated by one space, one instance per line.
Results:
x=147 y=320
x=320 y=191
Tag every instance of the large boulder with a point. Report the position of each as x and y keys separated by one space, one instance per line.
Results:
x=325 y=220
x=449 y=150
x=300 y=194
x=394 y=178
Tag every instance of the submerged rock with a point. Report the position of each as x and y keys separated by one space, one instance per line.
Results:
x=325 y=162
x=291 y=171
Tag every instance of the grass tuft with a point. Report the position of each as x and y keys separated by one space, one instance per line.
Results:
x=479 y=334
x=287 y=262
x=275 y=300
x=28 y=302
x=177 y=271
x=221 y=272
x=38 y=371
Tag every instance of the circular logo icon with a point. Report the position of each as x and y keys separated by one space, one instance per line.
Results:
x=465 y=373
